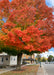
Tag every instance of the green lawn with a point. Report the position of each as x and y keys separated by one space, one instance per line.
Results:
x=26 y=70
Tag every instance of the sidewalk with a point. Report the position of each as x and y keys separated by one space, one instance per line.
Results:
x=6 y=70
x=41 y=71
x=10 y=69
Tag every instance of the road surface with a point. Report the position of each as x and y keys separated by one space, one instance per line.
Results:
x=49 y=68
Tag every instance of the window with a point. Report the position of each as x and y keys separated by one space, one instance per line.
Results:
x=14 y=59
x=24 y=57
x=6 y=58
x=29 y=57
x=2 y=59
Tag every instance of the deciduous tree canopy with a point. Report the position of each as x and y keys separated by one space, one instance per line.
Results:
x=29 y=25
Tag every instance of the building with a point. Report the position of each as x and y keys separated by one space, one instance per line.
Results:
x=28 y=58
x=6 y=60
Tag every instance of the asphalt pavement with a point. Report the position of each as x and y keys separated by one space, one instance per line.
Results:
x=49 y=68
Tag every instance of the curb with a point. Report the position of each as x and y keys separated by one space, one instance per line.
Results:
x=42 y=71
x=45 y=73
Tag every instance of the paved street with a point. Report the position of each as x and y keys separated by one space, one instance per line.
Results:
x=49 y=69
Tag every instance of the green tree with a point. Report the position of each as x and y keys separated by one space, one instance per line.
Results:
x=43 y=59
x=50 y=58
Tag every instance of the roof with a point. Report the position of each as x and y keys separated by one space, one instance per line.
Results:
x=3 y=54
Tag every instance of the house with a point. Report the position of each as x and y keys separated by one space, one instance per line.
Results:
x=7 y=60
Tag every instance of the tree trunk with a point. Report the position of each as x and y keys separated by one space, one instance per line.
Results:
x=31 y=59
x=19 y=56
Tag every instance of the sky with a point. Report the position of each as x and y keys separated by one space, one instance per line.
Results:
x=10 y=0
x=49 y=3
x=46 y=54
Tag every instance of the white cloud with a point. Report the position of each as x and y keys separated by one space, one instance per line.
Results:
x=51 y=53
x=52 y=2
x=46 y=54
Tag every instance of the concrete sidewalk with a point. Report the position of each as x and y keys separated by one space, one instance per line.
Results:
x=42 y=71
x=6 y=70
x=10 y=69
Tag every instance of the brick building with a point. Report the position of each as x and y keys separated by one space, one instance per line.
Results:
x=28 y=58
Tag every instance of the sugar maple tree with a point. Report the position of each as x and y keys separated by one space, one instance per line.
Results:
x=27 y=27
